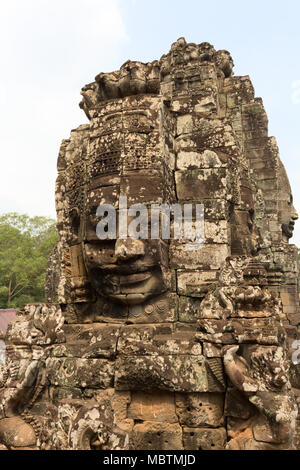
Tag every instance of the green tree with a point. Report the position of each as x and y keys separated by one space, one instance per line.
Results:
x=25 y=245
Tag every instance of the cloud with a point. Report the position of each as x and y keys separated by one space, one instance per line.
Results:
x=51 y=49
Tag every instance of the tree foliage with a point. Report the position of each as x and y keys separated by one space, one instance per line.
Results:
x=25 y=245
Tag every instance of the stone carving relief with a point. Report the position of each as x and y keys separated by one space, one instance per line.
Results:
x=151 y=345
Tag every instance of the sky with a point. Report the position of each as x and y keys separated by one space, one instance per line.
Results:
x=51 y=48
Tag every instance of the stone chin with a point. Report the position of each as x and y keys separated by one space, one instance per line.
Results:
x=288 y=230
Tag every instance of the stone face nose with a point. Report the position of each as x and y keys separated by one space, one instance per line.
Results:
x=128 y=249
x=295 y=215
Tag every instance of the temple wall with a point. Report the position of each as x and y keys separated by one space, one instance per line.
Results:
x=153 y=345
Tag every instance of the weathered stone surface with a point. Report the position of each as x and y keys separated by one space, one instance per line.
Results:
x=74 y=372
x=154 y=345
x=189 y=160
x=153 y=407
x=188 y=309
x=42 y=326
x=200 y=409
x=297 y=435
x=262 y=331
x=156 y=436
x=157 y=340
x=201 y=184
x=160 y=310
x=87 y=342
x=204 y=438
x=236 y=405
x=196 y=283
x=210 y=256
x=173 y=373
x=120 y=403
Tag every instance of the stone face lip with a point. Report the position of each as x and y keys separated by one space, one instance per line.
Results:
x=147 y=343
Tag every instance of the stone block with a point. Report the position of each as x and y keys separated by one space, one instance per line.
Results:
x=157 y=310
x=144 y=188
x=196 y=283
x=188 y=309
x=120 y=403
x=236 y=405
x=16 y=433
x=214 y=209
x=201 y=184
x=84 y=373
x=200 y=409
x=193 y=160
x=265 y=331
x=208 y=256
x=171 y=373
x=204 y=439
x=211 y=350
x=156 y=340
x=86 y=342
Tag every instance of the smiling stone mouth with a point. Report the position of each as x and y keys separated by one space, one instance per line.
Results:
x=126 y=270
x=134 y=278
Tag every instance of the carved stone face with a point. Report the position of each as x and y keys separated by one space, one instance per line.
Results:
x=125 y=159
x=126 y=271
x=287 y=212
x=136 y=356
x=288 y=215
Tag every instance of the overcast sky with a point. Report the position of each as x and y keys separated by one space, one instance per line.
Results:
x=50 y=49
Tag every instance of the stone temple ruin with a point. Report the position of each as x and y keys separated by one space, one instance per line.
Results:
x=151 y=345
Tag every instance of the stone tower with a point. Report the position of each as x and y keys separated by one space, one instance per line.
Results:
x=153 y=345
